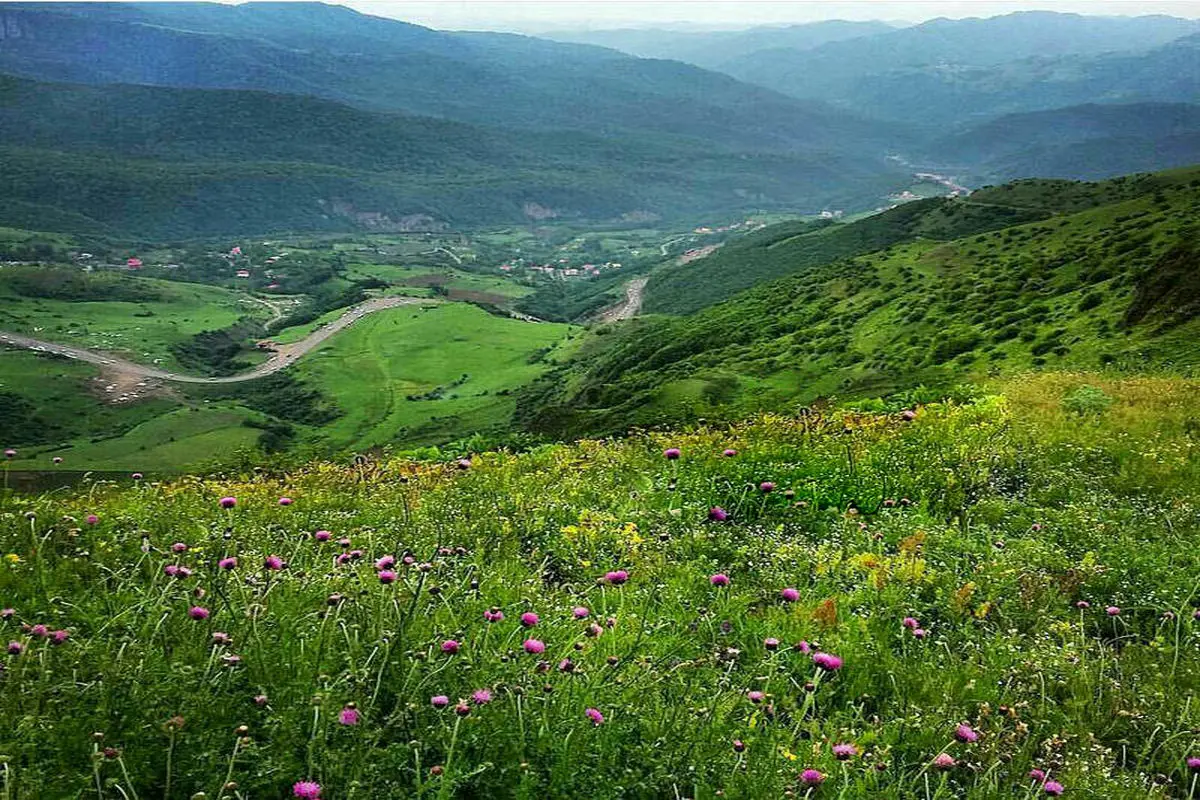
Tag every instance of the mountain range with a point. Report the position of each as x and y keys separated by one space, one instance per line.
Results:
x=190 y=119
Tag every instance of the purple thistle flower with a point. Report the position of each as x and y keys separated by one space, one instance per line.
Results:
x=844 y=751
x=481 y=697
x=1193 y=764
x=230 y=502
x=718 y=514
x=58 y=637
x=729 y=452
x=1037 y=775
x=179 y=547
x=10 y=453
x=260 y=700
x=911 y=623
x=827 y=661
x=1053 y=788
x=92 y=519
x=672 y=453
x=790 y=595
x=439 y=701
x=1112 y=611
x=920 y=633
x=739 y=746
x=964 y=733
x=566 y=665
x=594 y=715
x=811 y=777
x=386 y=576
x=40 y=631
x=464 y=463
x=227 y=563
x=462 y=709
x=307 y=790
x=1083 y=604
x=493 y=615
x=719 y=579
x=534 y=646
x=755 y=696
x=766 y=487
x=171 y=569
x=15 y=648
x=450 y=646
x=322 y=536
x=944 y=761
x=771 y=643
x=273 y=562
x=220 y=637
x=349 y=715
x=616 y=577
x=285 y=501
x=580 y=612
x=198 y=612
x=385 y=562
x=7 y=613
x=137 y=476
x=529 y=619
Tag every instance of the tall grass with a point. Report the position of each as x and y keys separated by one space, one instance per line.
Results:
x=1003 y=528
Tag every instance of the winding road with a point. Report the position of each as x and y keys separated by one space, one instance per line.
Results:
x=284 y=356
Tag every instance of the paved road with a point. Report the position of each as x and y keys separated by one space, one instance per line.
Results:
x=285 y=356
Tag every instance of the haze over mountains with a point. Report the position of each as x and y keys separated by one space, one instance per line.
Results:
x=309 y=116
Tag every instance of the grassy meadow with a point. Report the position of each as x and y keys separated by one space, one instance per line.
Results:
x=424 y=374
x=141 y=330
x=986 y=600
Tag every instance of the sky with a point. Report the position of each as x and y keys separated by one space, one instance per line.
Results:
x=537 y=16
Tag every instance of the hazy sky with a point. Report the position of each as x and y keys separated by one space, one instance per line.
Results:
x=534 y=16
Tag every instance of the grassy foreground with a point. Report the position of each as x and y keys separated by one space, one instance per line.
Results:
x=1041 y=541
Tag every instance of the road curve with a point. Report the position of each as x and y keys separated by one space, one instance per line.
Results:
x=284 y=356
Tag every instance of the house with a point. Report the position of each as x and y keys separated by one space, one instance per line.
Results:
x=133 y=263
x=243 y=273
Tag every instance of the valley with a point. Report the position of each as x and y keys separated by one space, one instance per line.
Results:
x=691 y=410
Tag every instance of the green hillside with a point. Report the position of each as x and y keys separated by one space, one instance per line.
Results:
x=1107 y=281
x=835 y=605
x=182 y=163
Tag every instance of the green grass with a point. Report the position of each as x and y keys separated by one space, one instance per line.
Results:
x=52 y=401
x=987 y=523
x=140 y=331
x=170 y=442
x=1059 y=292
x=368 y=370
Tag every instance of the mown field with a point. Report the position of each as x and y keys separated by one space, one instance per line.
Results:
x=426 y=374
x=990 y=600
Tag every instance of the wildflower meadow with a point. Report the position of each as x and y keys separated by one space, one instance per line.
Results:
x=992 y=599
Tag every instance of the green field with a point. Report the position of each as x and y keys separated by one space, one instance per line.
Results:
x=370 y=369
x=139 y=331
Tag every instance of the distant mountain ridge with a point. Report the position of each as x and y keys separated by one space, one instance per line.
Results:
x=167 y=162
x=712 y=49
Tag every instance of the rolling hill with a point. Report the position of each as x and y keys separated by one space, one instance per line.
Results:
x=1103 y=275
x=712 y=49
x=386 y=65
x=1089 y=142
x=167 y=162
x=947 y=72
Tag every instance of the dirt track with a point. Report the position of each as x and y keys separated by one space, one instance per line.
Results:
x=284 y=356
